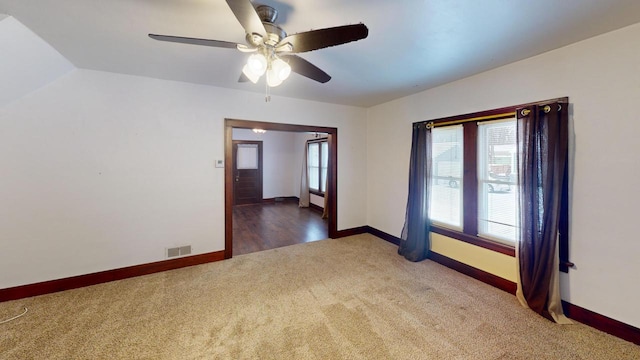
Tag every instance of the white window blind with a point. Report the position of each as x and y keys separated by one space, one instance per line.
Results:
x=446 y=180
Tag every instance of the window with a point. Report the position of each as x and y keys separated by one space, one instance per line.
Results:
x=483 y=203
x=317 y=161
x=474 y=181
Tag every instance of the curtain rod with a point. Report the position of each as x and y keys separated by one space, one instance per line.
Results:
x=431 y=124
x=546 y=109
x=525 y=112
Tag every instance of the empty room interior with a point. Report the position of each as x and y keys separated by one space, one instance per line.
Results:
x=268 y=168
x=324 y=180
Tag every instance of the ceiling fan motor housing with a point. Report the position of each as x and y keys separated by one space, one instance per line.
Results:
x=275 y=33
x=267 y=13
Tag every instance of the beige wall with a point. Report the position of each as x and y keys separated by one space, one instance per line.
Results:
x=489 y=261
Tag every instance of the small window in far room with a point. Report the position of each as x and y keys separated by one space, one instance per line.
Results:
x=318 y=159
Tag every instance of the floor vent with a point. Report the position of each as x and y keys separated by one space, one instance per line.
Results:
x=179 y=251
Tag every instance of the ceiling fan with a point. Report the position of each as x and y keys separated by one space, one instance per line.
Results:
x=274 y=52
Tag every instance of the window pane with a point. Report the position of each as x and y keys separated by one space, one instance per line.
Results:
x=247 y=156
x=325 y=154
x=313 y=162
x=497 y=192
x=314 y=180
x=446 y=184
x=314 y=155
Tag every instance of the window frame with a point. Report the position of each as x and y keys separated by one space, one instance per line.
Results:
x=319 y=141
x=470 y=184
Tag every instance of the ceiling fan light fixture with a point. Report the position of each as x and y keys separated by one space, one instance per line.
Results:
x=281 y=69
x=272 y=78
x=257 y=63
x=253 y=77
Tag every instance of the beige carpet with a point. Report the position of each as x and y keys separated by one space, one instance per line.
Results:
x=351 y=298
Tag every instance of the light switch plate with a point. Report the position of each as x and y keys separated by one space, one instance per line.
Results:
x=219 y=163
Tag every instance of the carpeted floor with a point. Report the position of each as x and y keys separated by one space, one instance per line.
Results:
x=350 y=298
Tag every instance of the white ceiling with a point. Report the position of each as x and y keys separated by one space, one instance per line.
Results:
x=413 y=45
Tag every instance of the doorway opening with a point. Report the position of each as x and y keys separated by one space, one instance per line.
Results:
x=331 y=201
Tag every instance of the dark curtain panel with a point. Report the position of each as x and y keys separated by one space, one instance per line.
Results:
x=543 y=146
x=414 y=244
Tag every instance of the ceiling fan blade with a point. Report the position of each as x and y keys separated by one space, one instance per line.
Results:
x=319 y=39
x=248 y=17
x=305 y=68
x=194 y=41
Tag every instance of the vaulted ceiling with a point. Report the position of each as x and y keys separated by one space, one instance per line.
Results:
x=412 y=45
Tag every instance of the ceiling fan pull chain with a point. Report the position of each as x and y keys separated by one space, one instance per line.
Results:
x=267 y=96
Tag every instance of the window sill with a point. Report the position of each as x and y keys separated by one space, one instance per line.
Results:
x=475 y=240
x=317 y=193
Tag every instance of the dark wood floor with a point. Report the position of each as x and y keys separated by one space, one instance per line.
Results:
x=270 y=225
